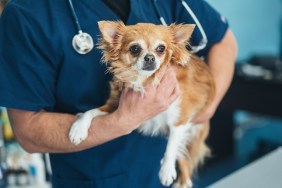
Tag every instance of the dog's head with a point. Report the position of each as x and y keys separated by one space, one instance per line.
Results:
x=140 y=51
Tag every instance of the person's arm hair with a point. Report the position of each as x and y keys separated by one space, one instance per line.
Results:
x=48 y=132
x=221 y=60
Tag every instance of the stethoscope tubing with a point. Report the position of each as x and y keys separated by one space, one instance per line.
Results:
x=194 y=49
x=204 y=40
x=82 y=42
x=74 y=15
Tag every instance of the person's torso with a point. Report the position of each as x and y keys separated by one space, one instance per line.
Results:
x=82 y=84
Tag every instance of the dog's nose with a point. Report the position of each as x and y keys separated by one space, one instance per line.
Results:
x=149 y=62
x=149 y=58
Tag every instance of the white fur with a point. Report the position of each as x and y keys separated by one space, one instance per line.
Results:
x=176 y=147
x=159 y=124
x=157 y=43
x=137 y=85
x=140 y=61
x=178 y=138
x=188 y=184
x=139 y=66
x=79 y=129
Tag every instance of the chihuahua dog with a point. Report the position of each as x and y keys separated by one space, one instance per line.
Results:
x=138 y=55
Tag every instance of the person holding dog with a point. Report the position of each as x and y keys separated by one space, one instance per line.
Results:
x=50 y=70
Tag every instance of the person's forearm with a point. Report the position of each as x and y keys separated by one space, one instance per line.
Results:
x=48 y=132
x=221 y=60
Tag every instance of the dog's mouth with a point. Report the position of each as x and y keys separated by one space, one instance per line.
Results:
x=149 y=67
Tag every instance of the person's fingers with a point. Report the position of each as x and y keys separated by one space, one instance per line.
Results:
x=168 y=73
x=174 y=95
x=163 y=72
x=168 y=83
x=176 y=90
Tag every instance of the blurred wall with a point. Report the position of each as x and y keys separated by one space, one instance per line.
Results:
x=257 y=25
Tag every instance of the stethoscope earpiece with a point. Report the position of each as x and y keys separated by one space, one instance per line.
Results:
x=82 y=43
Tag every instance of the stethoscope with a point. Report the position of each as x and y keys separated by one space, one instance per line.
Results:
x=83 y=42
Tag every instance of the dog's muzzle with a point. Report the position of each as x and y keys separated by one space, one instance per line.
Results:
x=149 y=63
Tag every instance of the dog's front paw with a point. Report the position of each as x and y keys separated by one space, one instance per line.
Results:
x=167 y=173
x=79 y=129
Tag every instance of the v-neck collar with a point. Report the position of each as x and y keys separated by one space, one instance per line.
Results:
x=108 y=14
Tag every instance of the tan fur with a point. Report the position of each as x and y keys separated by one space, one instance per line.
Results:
x=195 y=81
x=198 y=151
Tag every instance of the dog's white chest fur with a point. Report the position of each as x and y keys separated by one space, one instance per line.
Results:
x=163 y=122
x=160 y=123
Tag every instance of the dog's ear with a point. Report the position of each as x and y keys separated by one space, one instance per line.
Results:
x=182 y=32
x=110 y=30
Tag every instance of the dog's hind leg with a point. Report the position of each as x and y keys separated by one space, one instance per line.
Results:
x=197 y=151
x=176 y=148
x=184 y=177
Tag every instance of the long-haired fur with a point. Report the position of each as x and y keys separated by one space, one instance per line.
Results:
x=196 y=84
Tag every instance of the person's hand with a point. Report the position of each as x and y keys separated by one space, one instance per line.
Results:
x=134 y=108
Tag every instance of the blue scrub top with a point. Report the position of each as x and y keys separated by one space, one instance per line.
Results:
x=39 y=69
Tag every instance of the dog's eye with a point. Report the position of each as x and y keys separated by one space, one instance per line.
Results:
x=160 y=48
x=135 y=49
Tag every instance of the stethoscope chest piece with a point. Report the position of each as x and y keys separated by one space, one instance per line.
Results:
x=82 y=43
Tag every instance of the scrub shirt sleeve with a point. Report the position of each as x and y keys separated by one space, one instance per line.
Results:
x=213 y=23
x=27 y=80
